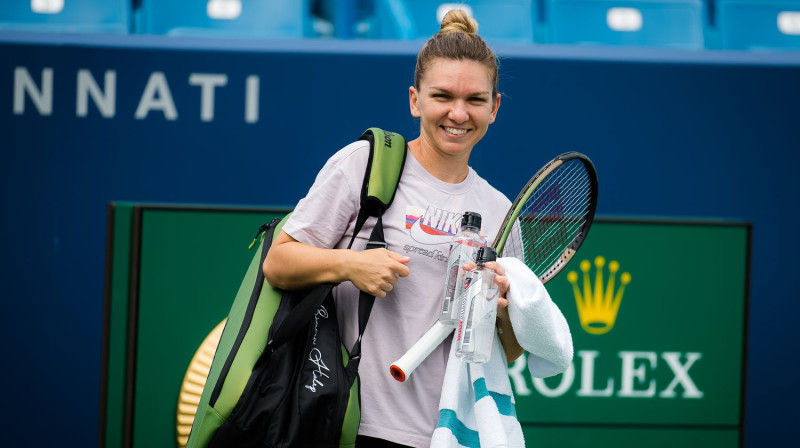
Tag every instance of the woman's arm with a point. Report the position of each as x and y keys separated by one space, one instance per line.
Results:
x=504 y=330
x=291 y=265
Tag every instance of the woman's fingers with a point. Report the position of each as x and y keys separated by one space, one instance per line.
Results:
x=376 y=271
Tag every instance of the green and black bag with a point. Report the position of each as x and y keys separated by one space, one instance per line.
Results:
x=280 y=375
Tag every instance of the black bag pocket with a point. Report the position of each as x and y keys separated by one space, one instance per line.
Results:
x=298 y=392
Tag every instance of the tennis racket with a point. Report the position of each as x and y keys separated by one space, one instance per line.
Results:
x=545 y=227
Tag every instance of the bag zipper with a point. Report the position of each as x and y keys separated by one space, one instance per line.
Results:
x=269 y=231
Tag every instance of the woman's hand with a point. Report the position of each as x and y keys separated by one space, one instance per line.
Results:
x=376 y=271
x=504 y=331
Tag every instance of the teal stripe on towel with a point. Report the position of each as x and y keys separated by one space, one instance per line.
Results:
x=504 y=405
x=465 y=436
x=480 y=389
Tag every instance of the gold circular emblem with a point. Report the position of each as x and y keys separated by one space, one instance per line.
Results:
x=193 y=383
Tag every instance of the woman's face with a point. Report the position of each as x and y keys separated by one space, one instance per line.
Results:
x=455 y=105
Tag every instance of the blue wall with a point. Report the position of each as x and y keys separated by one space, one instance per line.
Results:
x=684 y=134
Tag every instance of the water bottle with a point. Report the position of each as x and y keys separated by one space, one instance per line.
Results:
x=463 y=249
x=475 y=333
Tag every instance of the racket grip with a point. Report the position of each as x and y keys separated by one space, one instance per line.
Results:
x=402 y=368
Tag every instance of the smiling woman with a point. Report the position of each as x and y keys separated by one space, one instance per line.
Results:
x=455 y=97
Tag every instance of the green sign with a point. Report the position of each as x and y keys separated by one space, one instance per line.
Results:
x=657 y=314
x=656 y=310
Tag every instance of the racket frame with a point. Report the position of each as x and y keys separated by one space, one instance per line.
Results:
x=513 y=213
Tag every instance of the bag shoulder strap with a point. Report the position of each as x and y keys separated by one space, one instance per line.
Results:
x=382 y=175
x=387 y=156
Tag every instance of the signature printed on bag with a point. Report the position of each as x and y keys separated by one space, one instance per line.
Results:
x=315 y=355
x=323 y=313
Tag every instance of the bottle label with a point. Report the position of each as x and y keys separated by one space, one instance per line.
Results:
x=452 y=278
x=469 y=312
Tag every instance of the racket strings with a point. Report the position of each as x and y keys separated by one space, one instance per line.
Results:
x=576 y=188
x=553 y=216
x=548 y=245
x=564 y=211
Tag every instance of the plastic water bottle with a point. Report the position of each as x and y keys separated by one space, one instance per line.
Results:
x=463 y=249
x=475 y=333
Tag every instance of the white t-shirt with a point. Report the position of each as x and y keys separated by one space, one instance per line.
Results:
x=420 y=223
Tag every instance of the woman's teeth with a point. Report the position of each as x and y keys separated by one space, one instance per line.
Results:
x=455 y=131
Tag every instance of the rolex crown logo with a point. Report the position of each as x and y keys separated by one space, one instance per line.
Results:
x=598 y=306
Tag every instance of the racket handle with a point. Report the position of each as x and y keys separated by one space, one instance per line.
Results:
x=402 y=368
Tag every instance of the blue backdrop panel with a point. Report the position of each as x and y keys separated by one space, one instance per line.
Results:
x=143 y=119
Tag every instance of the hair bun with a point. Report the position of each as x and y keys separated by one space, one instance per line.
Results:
x=458 y=20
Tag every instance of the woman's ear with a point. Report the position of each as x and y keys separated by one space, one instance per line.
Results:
x=413 y=99
x=495 y=107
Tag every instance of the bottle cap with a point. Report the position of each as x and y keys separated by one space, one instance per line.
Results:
x=485 y=254
x=471 y=219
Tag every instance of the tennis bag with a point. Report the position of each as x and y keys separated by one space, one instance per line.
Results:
x=281 y=376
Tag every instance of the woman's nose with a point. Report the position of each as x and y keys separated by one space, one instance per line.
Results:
x=458 y=112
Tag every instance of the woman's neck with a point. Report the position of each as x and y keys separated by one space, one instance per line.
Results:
x=451 y=169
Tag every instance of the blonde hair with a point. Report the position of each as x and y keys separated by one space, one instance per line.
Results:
x=457 y=39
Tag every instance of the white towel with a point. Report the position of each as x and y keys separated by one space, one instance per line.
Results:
x=538 y=324
x=477 y=404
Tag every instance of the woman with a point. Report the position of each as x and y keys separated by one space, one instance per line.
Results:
x=455 y=97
